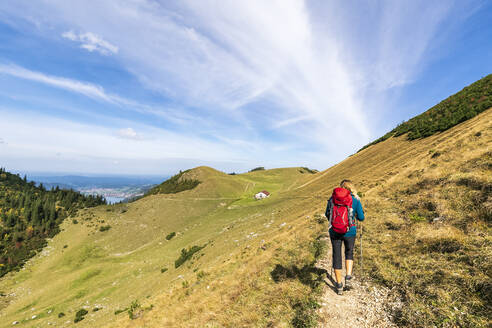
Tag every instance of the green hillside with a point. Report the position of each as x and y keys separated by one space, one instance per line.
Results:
x=135 y=256
x=469 y=102
x=30 y=214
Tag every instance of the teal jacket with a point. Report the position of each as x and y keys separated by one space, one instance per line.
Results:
x=358 y=212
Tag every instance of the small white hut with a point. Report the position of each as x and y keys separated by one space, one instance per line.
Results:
x=262 y=194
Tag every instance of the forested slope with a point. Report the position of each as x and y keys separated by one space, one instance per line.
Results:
x=30 y=214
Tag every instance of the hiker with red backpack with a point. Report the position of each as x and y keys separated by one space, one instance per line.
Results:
x=344 y=208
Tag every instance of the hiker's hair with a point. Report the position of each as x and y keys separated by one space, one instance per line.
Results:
x=347 y=184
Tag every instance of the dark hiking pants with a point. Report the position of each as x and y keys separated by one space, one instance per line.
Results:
x=336 y=245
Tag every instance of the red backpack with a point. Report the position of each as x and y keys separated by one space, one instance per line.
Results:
x=341 y=213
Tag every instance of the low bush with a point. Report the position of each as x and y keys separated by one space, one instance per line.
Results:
x=79 y=316
x=133 y=312
x=443 y=245
x=416 y=217
x=259 y=168
x=201 y=274
x=308 y=170
x=436 y=154
x=186 y=254
x=120 y=311
x=104 y=228
x=170 y=236
x=174 y=185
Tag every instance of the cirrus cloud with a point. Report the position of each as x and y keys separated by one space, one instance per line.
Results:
x=129 y=133
x=91 y=42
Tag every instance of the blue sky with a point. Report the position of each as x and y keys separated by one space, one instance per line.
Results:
x=151 y=87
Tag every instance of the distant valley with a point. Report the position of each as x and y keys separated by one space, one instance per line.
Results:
x=114 y=188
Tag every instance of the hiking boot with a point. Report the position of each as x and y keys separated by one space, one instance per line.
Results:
x=339 y=288
x=348 y=282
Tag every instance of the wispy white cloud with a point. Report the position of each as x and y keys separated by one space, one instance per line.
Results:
x=129 y=133
x=290 y=121
x=91 y=42
x=86 y=89
x=96 y=92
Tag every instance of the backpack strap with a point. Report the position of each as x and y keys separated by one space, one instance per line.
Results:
x=330 y=216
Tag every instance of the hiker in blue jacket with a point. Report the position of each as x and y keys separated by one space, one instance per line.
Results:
x=347 y=238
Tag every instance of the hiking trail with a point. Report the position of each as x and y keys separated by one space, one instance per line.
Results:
x=363 y=306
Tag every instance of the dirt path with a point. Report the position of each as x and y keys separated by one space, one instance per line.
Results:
x=363 y=306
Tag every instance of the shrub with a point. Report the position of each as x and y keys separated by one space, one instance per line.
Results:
x=61 y=315
x=436 y=154
x=201 y=275
x=120 y=311
x=74 y=221
x=79 y=316
x=444 y=245
x=163 y=270
x=392 y=225
x=320 y=218
x=259 y=168
x=104 y=228
x=186 y=255
x=133 y=307
x=417 y=217
x=171 y=235
x=308 y=170
x=174 y=185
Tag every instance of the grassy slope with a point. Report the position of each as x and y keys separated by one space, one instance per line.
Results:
x=111 y=269
x=442 y=270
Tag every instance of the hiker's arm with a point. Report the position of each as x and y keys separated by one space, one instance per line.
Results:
x=359 y=211
x=327 y=212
